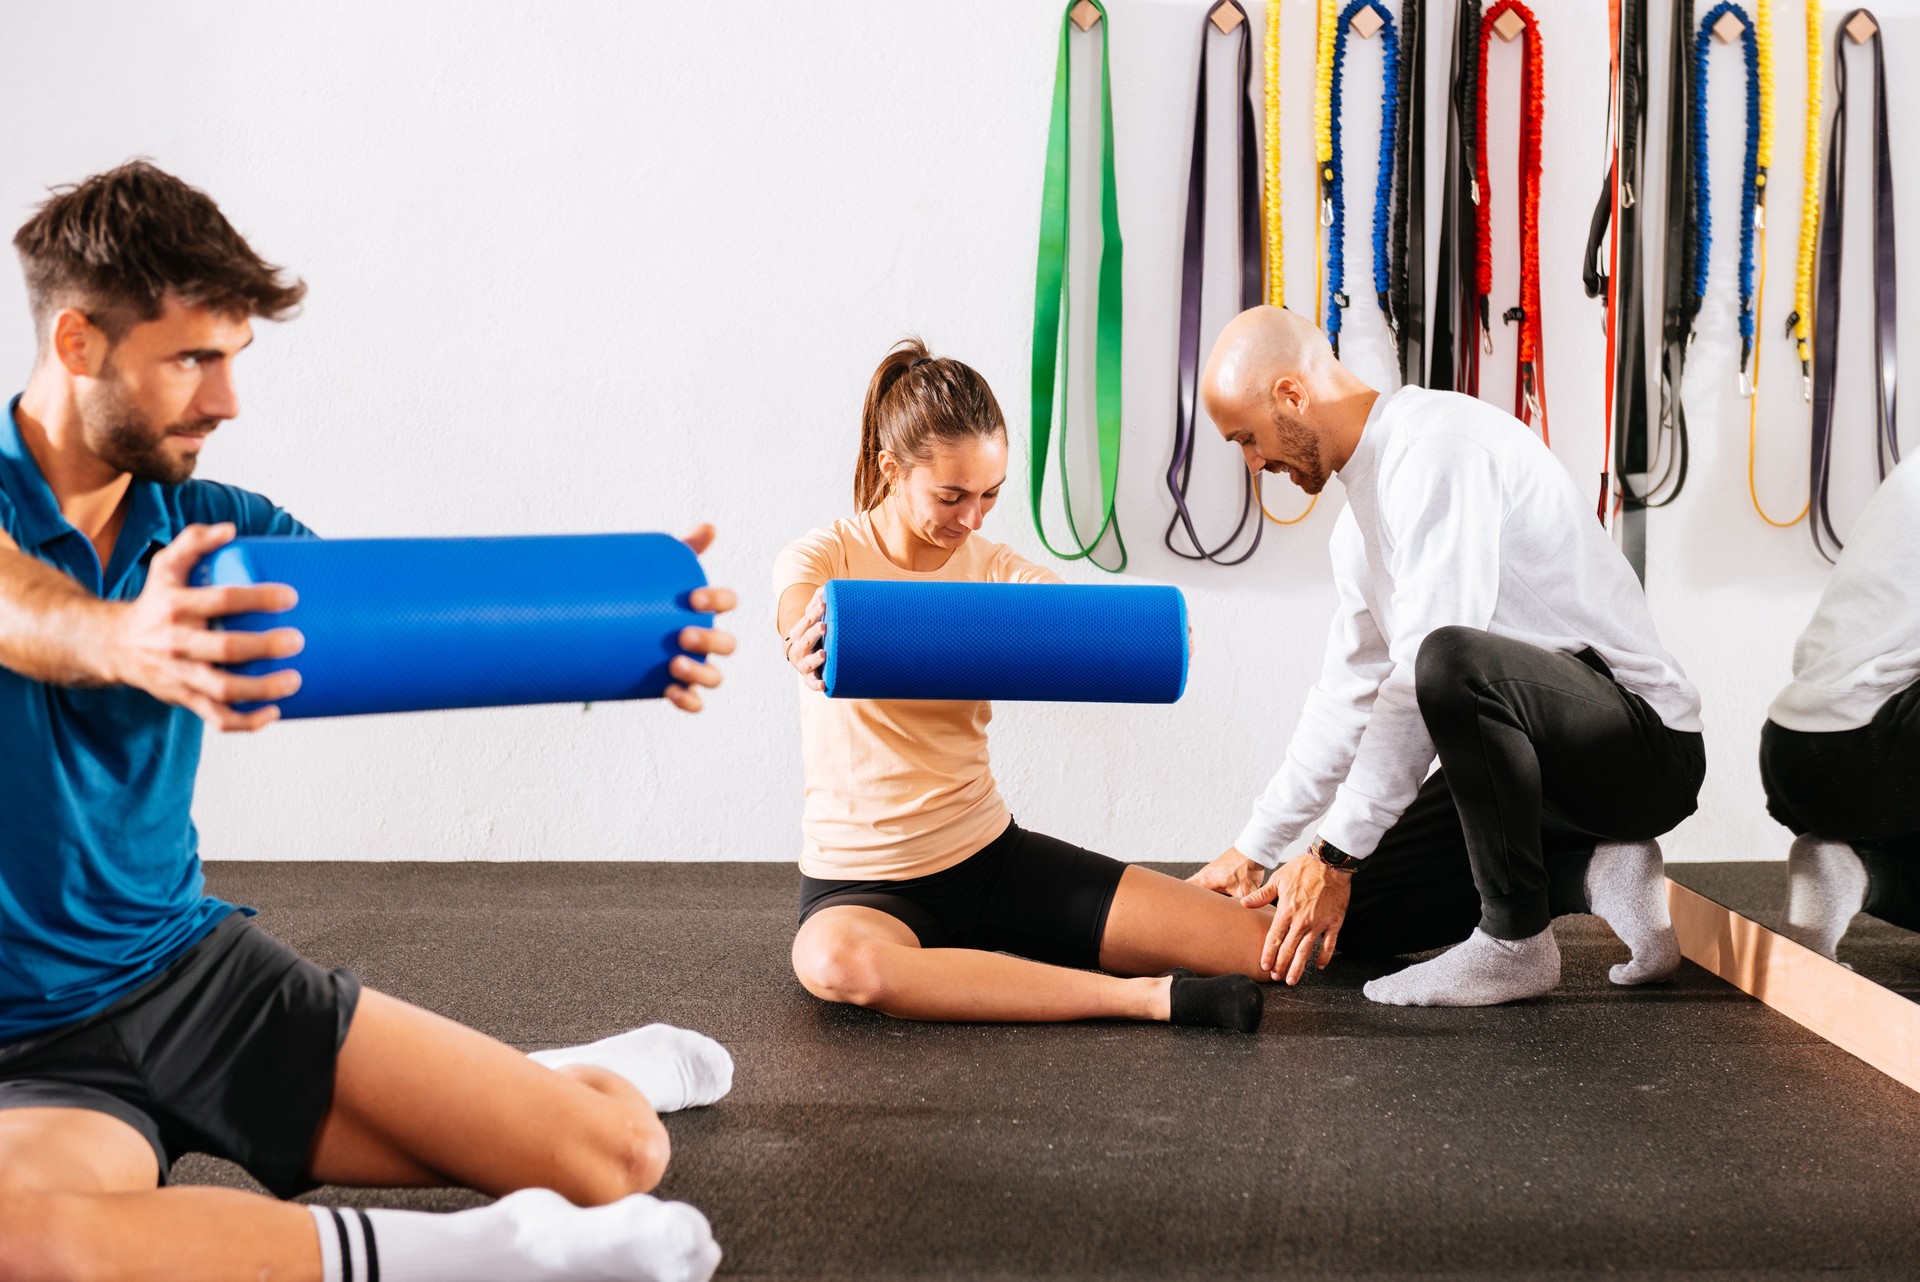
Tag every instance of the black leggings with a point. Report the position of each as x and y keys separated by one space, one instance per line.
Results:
x=1858 y=786
x=1542 y=755
x=1023 y=893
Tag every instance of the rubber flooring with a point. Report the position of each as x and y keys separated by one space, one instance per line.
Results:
x=1678 y=1131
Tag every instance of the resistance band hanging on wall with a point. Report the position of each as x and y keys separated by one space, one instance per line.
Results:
x=1454 y=363
x=1326 y=18
x=1229 y=18
x=1618 y=210
x=1366 y=16
x=1800 y=323
x=1276 y=256
x=1727 y=22
x=1666 y=471
x=1762 y=160
x=1512 y=20
x=1859 y=27
x=1270 y=126
x=1050 y=318
x=1407 y=301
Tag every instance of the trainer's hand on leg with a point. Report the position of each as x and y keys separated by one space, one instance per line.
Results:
x=690 y=674
x=1231 y=874
x=163 y=642
x=1310 y=903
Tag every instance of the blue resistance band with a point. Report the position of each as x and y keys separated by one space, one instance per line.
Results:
x=1053 y=642
x=405 y=625
x=1336 y=167
x=1750 y=191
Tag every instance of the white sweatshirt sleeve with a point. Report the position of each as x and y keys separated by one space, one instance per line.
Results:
x=1442 y=507
x=1335 y=714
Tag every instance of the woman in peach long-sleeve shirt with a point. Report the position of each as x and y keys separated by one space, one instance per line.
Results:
x=917 y=882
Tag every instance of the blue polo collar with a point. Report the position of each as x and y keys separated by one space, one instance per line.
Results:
x=149 y=521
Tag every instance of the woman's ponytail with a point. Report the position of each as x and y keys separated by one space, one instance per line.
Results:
x=913 y=399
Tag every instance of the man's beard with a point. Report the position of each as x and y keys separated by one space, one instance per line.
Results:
x=1300 y=442
x=122 y=436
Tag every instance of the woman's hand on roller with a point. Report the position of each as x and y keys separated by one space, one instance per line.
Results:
x=804 y=641
x=163 y=642
x=690 y=674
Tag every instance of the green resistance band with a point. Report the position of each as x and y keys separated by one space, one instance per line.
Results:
x=1050 y=309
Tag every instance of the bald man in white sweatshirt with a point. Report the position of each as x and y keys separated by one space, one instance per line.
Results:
x=1484 y=619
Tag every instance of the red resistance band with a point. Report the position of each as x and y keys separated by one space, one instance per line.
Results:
x=1530 y=390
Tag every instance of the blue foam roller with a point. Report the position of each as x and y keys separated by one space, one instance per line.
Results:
x=405 y=625
x=1069 y=643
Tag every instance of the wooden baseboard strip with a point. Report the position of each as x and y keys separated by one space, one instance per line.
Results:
x=1849 y=1010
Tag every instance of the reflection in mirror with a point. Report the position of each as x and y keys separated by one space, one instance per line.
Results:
x=1840 y=760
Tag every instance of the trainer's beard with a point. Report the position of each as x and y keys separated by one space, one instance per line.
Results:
x=123 y=437
x=1300 y=441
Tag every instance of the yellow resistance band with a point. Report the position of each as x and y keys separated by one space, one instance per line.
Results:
x=1276 y=272
x=1809 y=199
x=1809 y=228
x=1329 y=20
x=1276 y=254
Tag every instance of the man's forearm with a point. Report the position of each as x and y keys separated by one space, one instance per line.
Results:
x=51 y=628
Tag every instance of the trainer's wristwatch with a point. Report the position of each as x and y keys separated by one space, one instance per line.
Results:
x=1333 y=857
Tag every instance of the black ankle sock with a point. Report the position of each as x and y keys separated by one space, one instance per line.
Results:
x=1227 y=1001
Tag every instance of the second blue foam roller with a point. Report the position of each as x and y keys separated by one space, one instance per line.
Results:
x=1067 y=643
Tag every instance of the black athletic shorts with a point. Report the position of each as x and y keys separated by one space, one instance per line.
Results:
x=228 y=1051
x=1023 y=893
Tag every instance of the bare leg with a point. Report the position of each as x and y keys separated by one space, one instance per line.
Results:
x=865 y=957
x=417 y=1099
x=1157 y=922
x=78 y=1199
x=509 y=1124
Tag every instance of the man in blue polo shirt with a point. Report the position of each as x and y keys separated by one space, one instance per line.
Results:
x=139 y=1017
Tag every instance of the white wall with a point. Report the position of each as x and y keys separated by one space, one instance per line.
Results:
x=629 y=265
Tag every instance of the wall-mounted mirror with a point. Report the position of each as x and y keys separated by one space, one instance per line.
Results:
x=1839 y=756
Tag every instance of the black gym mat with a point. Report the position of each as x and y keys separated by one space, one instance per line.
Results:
x=1684 y=1130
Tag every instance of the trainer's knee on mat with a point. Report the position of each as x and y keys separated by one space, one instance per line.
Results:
x=841 y=969
x=1449 y=669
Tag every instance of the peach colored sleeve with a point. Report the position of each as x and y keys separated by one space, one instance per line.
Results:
x=1011 y=567
x=809 y=559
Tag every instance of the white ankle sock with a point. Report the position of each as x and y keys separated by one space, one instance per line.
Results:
x=1627 y=888
x=1483 y=971
x=674 y=1068
x=531 y=1236
x=1826 y=886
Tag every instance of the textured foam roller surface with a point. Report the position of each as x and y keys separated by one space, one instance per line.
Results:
x=1069 y=643
x=405 y=625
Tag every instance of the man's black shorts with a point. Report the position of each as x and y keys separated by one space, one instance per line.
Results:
x=1023 y=892
x=229 y=1051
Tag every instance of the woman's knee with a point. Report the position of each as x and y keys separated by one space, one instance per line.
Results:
x=837 y=967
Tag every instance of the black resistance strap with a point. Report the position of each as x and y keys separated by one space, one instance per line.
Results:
x=1859 y=27
x=1679 y=305
x=1226 y=16
x=1452 y=365
x=1407 y=305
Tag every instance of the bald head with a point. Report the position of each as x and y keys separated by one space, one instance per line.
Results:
x=1274 y=387
x=1257 y=348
